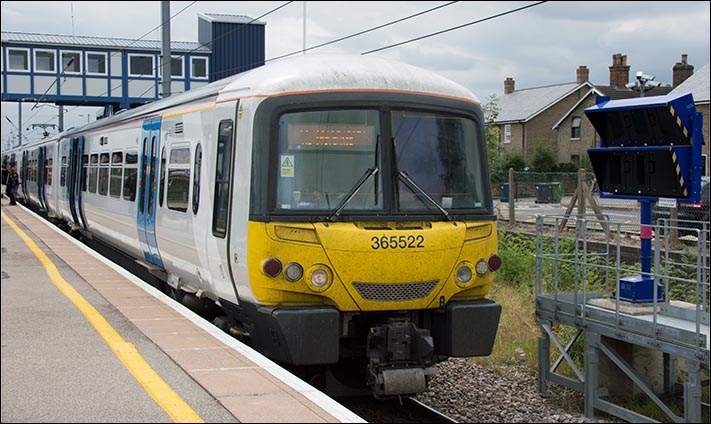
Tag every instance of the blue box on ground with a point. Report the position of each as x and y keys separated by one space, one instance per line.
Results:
x=639 y=289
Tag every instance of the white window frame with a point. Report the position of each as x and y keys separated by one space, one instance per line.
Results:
x=172 y=75
x=153 y=65
x=61 y=62
x=9 y=62
x=106 y=63
x=579 y=127
x=507 y=133
x=54 y=61
x=192 y=67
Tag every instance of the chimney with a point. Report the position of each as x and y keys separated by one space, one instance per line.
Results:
x=583 y=74
x=619 y=71
x=509 y=85
x=681 y=71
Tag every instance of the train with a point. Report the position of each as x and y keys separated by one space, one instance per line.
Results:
x=332 y=211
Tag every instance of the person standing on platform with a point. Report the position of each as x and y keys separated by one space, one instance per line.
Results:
x=11 y=185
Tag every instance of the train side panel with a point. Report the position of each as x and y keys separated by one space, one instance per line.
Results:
x=109 y=209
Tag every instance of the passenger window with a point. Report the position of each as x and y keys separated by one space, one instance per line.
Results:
x=104 y=174
x=178 y=179
x=130 y=176
x=161 y=192
x=223 y=166
x=63 y=172
x=93 y=172
x=84 y=172
x=196 y=180
x=48 y=172
x=116 y=174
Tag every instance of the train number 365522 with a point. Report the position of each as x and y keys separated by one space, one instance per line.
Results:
x=398 y=242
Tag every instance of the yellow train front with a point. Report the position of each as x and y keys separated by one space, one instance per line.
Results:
x=371 y=241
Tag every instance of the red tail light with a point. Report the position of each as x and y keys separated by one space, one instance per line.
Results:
x=494 y=262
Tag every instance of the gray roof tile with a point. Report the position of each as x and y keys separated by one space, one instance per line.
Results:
x=100 y=42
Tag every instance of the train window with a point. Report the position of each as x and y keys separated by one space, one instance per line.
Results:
x=322 y=157
x=452 y=178
x=48 y=172
x=116 y=174
x=161 y=192
x=130 y=176
x=84 y=172
x=178 y=179
x=93 y=172
x=104 y=174
x=63 y=172
x=223 y=166
x=196 y=179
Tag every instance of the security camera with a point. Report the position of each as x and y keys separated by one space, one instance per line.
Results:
x=644 y=77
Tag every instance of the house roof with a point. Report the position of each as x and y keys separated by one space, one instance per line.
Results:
x=104 y=42
x=523 y=105
x=697 y=84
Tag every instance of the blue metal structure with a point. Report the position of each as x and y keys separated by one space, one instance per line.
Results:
x=122 y=73
x=650 y=147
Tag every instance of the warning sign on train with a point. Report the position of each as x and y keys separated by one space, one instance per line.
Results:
x=287 y=165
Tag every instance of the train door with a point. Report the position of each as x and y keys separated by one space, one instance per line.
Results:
x=74 y=181
x=148 y=174
x=218 y=249
x=41 y=180
x=24 y=172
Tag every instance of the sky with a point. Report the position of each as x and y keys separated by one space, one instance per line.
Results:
x=475 y=43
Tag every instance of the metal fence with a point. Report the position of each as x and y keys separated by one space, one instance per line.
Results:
x=560 y=187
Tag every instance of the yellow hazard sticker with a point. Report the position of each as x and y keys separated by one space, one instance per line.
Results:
x=287 y=165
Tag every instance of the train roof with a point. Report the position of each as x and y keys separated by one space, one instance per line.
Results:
x=338 y=72
x=299 y=74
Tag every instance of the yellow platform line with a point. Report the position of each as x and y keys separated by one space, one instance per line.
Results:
x=154 y=385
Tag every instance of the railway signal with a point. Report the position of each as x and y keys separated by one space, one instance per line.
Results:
x=650 y=147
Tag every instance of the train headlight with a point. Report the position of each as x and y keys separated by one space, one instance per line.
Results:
x=464 y=274
x=293 y=272
x=482 y=267
x=494 y=262
x=271 y=267
x=320 y=278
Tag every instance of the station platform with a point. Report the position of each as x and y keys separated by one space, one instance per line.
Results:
x=83 y=340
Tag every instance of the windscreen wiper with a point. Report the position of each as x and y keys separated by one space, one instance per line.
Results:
x=414 y=187
x=368 y=173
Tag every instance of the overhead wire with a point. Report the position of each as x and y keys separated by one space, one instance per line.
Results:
x=342 y=38
x=364 y=31
x=498 y=15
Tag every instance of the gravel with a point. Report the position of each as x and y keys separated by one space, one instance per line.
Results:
x=474 y=393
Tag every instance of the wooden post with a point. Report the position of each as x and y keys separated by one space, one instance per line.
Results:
x=582 y=193
x=581 y=196
x=512 y=207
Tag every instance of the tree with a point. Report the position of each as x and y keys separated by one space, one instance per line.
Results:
x=543 y=159
x=492 y=133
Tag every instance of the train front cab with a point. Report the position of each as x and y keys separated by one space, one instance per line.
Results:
x=350 y=255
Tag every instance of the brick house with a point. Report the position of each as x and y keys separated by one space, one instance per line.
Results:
x=553 y=115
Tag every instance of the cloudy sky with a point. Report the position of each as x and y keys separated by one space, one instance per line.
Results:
x=477 y=43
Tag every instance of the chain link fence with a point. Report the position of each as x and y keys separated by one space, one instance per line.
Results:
x=560 y=187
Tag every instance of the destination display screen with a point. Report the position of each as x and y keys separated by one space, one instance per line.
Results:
x=355 y=136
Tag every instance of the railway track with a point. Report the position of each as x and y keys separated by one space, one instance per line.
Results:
x=400 y=410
